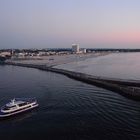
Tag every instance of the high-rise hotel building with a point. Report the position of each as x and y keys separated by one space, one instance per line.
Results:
x=75 y=48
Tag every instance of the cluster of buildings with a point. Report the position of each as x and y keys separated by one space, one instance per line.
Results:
x=6 y=54
x=38 y=53
x=16 y=53
x=76 y=49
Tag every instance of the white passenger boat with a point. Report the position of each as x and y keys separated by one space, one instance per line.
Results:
x=17 y=105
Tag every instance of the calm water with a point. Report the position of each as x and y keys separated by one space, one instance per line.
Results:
x=68 y=109
x=119 y=65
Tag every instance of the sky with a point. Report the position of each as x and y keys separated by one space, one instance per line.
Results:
x=60 y=23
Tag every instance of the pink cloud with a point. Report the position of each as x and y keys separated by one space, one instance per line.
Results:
x=118 y=37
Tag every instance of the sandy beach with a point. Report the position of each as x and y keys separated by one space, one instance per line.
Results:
x=55 y=60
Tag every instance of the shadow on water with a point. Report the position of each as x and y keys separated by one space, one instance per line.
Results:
x=19 y=117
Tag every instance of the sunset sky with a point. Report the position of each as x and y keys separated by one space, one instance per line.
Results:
x=60 y=23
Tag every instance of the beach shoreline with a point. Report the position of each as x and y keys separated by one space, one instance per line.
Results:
x=54 y=60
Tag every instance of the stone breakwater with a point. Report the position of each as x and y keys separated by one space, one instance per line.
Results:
x=130 y=89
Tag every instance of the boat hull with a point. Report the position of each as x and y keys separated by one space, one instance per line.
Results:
x=7 y=115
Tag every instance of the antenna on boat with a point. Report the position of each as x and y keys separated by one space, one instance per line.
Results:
x=13 y=101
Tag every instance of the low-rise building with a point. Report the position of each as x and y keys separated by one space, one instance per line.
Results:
x=5 y=54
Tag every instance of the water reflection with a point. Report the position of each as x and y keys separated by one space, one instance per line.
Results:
x=68 y=109
x=118 y=65
x=19 y=117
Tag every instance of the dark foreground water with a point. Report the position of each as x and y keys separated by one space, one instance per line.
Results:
x=68 y=109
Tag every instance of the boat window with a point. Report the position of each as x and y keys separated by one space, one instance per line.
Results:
x=8 y=108
x=12 y=106
x=22 y=104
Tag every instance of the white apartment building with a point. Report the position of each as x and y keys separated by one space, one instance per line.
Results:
x=75 y=48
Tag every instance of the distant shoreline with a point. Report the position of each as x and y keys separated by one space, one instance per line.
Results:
x=55 y=60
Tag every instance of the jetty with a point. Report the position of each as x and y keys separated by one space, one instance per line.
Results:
x=129 y=89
